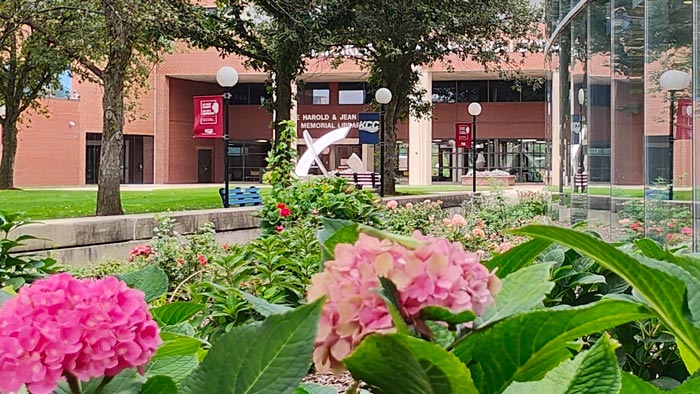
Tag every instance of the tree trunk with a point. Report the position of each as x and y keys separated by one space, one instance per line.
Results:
x=9 y=151
x=391 y=118
x=108 y=195
x=283 y=101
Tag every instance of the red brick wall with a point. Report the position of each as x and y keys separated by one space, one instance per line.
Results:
x=497 y=120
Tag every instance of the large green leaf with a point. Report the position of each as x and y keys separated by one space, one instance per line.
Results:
x=334 y=232
x=518 y=257
x=151 y=280
x=176 y=367
x=438 y=313
x=592 y=372
x=634 y=385
x=263 y=307
x=176 y=345
x=665 y=293
x=401 y=364
x=312 y=388
x=650 y=248
x=270 y=357
x=521 y=291
x=175 y=313
x=159 y=385
x=525 y=346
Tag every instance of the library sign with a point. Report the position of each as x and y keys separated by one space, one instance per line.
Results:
x=313 y=122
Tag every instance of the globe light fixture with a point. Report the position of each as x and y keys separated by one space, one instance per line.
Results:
x=383 y=96
x=474 y=109
x=226 y=77
x=674 y=80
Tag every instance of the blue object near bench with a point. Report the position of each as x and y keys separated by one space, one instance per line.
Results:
x=241 y=198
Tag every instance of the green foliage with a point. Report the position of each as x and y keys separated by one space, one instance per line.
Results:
x=311 y=199
x=664 y=222
x=270 y=357
x=594 y=371
x=151 y=280
x=423 y=216
x=16 y=270
x=400 y=364
x=175 y=313
x=281 y=159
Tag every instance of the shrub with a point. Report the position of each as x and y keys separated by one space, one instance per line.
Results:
x=281 y=158
x=423 y=216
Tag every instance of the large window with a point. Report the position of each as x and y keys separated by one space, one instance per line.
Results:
x=316 y=94
x=249 y=94
x=352 y=93
x=486 y=91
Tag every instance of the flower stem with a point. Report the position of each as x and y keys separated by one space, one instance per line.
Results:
x=103 y=383
x=73 y=383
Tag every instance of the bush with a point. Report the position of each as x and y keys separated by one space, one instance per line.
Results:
x=423 y=216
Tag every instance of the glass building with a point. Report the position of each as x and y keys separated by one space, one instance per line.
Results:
x=621 y=88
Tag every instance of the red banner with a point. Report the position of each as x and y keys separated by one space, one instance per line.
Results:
x=463 y=134
x=208 y=117
x=684 y=119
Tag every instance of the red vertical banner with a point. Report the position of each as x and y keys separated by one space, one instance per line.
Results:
x=463 y=134
x=684 y=119
x=208 y=117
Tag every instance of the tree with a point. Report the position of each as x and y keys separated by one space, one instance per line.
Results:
x=277 y=36
x=29 y=66
x=115 y=43
x=394 y=37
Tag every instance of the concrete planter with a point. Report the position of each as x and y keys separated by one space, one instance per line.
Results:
x=508 y=180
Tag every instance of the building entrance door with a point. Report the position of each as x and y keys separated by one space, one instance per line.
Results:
x=204 y=165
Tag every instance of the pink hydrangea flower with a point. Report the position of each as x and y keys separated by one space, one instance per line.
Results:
x=392 y=204
x=478 y=232
x=687 y=231
x=437 y=273
x=459 y=220
x=409 y=205
x=140 y=250
x=88 y=328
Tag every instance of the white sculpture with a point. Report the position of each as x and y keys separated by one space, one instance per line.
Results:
x=313 y=147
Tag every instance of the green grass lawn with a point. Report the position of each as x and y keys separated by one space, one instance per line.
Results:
x=54 y=204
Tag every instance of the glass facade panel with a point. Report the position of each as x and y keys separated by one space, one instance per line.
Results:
x=620 y=96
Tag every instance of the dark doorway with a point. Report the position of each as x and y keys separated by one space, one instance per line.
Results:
x=136 y=162
x=204 y=165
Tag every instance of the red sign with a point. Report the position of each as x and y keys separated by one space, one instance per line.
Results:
x=463 y=134
x=684 y=119
x=208 y=117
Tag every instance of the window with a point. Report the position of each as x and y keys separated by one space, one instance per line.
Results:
x=248 y=94
x=530 y=93
x=444 y=92
x=502 y=91
x=64 y=88
x=352 y=93
x=468 y=91
x=317 y=94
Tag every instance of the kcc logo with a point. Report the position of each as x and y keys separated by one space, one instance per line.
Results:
x=368 y=124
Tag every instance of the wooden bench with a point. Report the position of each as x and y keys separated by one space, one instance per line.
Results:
x=361 y=179
x=241 y=198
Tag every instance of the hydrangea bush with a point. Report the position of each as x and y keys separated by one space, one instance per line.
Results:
x=62 y=327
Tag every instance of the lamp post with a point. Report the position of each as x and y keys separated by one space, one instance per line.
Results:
x=474 y=110
x=383 y=97
x=226 y=77
x=673 y=81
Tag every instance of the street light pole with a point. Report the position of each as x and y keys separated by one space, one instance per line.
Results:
x=226 y=77
x=673 y=81
x=383 y=97
x=474 y=110
x=671 y=140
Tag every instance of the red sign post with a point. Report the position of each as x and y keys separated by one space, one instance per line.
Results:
x=208 y=117
x=463 y=135
x=684 y=119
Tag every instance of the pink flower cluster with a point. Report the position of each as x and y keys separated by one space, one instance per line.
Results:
x=438 y=273
x=89 y=328
x=140 y=250
x=456 y=221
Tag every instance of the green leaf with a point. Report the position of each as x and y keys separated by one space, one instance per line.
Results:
x=312 y=388
x=159 y=385
x=521 y=291
x=270 y=357
x=175 y=313
x=6 y=293
x=525 y=346
x=518 y=257
x=438 y=313
x=665 y=294
x=400 y=364
x=592 y=372
x=176 y=367
x=177 y=346
x=151 y=280
x=634 y=385
x=263 y=307
x=556 y=255
x=390 y=295
x=650 y=248
x=127 y=382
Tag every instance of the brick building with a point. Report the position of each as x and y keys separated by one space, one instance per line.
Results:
x=63 y=148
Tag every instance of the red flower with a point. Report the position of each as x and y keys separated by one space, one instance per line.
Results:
x=284 y=212
x=202 y=260
x=180 y=262
x=281 y=205
x=225 y=247
x=279 y=229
